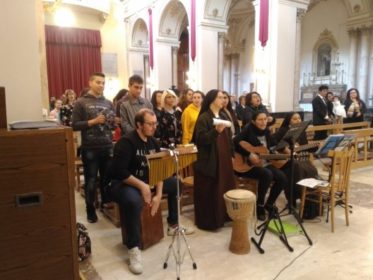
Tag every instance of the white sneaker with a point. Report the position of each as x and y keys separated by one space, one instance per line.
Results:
x=135 y=264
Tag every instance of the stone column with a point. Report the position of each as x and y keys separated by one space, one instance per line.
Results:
x=234 y=73
x=174 y=51
x=370 y=92
x=353 y=57
x=362 y=77
x=221 y=37
x=296 y=93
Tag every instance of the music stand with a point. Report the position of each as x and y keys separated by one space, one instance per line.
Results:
x=179 y=232
x=289 y=139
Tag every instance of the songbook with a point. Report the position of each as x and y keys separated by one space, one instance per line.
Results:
x=330 y=144
x=33 y=124
x=312 y=183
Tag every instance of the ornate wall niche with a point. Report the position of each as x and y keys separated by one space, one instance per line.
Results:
x=140 y=34
x=324 y=54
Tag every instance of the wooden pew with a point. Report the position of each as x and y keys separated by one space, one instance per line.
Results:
x=274 y=127
x=363 y=147
x=334 y=128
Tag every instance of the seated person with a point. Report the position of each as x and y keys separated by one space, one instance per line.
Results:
x=303 y=168
x=256 y=136
x=129 y=187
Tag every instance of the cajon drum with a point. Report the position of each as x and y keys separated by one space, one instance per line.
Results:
x=151 y=227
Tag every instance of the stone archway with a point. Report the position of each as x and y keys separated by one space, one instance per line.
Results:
x=173 y=29
x=238 y=55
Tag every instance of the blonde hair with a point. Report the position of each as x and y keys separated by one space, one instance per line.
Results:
x=165 y=94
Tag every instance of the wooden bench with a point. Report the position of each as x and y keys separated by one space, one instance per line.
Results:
x=334 y=128
x=363 y=147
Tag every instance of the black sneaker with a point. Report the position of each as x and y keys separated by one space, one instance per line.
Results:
x=91 y=217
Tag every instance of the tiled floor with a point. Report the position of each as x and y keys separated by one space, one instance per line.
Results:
x=345 y=254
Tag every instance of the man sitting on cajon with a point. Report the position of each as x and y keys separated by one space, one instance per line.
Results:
x=129 y=186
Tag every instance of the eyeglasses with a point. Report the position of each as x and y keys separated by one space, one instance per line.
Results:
x=151 y=123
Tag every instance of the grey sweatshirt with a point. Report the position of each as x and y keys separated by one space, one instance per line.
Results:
x=89 y=107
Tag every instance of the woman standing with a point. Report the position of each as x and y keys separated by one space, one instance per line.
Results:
x=67 y=107
x=228 y=110
x=354 y=106
x=254 y=104
x=169 y=125
x=213 y=168
x=185 y=99
x=190 y=115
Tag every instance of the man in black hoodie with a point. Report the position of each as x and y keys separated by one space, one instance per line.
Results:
x=93 y=115
x=130 y=183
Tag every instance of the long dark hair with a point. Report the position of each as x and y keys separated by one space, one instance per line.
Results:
x=153 y=100
x=286 y=122
x=249 y=97
x=209 y=98
x=348 y=95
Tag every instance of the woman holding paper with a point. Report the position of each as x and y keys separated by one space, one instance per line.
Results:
x=213 y=169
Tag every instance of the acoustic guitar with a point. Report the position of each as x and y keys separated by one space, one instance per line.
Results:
x=242 y=164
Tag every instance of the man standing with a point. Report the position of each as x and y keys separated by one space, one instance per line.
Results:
x=93 y=115
x=320 y=112
x=130 y=183
x=133 y=103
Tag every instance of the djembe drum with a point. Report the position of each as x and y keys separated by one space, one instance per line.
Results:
x=240 y=207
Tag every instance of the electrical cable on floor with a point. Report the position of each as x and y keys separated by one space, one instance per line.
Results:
x=288 y=265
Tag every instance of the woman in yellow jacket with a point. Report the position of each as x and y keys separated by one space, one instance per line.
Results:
x=190 y=115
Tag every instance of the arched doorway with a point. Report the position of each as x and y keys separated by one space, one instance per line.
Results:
x=173 y=30
x=183 y=60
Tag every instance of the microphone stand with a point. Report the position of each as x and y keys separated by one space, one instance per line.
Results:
x=179 y=232
x=290 y=137
x=290 y=206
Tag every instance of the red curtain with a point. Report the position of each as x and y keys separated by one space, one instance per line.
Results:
x=73 y=54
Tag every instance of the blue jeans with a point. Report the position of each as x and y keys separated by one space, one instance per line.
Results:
x=131 y=202
x=95 y=161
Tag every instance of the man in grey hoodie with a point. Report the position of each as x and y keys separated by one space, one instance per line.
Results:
x=93 y=115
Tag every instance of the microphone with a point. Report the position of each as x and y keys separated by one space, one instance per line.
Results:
x=223 y=122
x=171 y=149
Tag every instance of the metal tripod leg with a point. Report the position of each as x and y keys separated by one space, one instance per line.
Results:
x=299 y=221
x=273 y=215
x=179 y=257
x=178 y=233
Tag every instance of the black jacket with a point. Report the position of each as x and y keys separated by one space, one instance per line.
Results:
x=319 y=111
x=204 y=137
x=89 y=107
x=250 y=134
x=129 y=157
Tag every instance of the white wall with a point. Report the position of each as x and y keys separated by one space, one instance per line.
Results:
x=207 y=59
x=282 y=91
x=331 y=15
x=21 y=71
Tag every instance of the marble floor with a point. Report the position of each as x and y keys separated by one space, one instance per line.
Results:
x=345 y=254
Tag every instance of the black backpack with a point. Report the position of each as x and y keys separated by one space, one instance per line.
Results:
x=311 y=208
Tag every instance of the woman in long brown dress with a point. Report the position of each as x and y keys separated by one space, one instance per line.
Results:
x=213 y=168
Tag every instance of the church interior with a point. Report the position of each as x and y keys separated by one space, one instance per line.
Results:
x=283 y=49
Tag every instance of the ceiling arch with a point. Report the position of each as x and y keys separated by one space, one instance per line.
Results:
x=173 y=20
